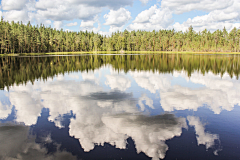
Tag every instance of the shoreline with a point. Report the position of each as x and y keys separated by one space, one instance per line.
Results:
x=119 y=52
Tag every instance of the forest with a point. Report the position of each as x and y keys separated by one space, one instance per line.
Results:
x=21 y=38
x=20 y=70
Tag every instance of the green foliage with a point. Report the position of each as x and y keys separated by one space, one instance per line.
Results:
x=20 y=38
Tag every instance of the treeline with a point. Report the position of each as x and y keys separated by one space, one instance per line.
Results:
x=19 y=70
x=20 y=38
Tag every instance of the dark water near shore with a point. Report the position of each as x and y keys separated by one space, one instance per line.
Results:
x=120 y=107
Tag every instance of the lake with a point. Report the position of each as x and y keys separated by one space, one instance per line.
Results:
x=153 y=106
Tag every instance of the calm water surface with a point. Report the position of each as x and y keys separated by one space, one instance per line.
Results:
x=120 y=107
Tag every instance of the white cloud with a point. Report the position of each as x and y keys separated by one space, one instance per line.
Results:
x=152 y=19
x=144 y=1
x=221 y=14
x=144 y=16
x=15 y=15
x=73 y=9
x=13 y=4
x=188 y=5
x=105 y=33
x=117 y=19
x=203 y=137
x=47 y=22
x=212 y=21
x=68 y=30
x=30 y=6
x=63 y=10
x=116 y=4
x=44 y=4
x=58 y=24
x=114 y=29
x=88 y=25
x=72 y=24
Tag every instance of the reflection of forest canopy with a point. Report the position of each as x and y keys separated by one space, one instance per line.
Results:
x=20 y=70
x=20 y=38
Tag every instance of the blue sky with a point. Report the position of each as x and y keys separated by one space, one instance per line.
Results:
x=108 y=16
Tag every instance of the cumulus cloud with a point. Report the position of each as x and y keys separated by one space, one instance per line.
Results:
x=88 y=25
x=13 y=5
x=104 y=3
x=152 y=19
x=58 y=24
x=203 y=137
x=212 y=21
x=72 y=24
x=144 y=16
x=117 y=18
x=221 y=14
x=43 y=4
x=15 y=15
x=188 y=5
x=47 y=22
x=144 y=1
x=73 y=9
x=62 y=12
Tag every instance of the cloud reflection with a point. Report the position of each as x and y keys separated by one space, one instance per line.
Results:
x=203 y=137
x=16 y=144
x=148 y=133
x=149 y=102
x=119 y=82
x=112 y=116
x=5 y=110
x=219 y=93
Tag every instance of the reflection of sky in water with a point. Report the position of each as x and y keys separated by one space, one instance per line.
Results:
x=107 y=106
